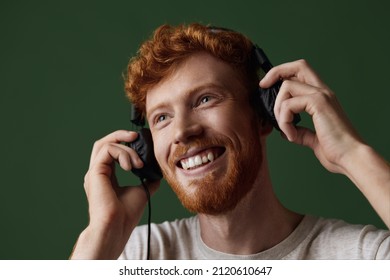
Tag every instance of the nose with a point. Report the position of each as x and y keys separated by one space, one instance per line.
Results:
x=186 y=128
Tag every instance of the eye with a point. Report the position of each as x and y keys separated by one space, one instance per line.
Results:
x=161 y=118
x=205 y=99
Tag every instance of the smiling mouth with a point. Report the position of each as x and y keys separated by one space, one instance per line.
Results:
x=203 y=158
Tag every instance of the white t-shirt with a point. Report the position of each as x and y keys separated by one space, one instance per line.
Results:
x=314 y=238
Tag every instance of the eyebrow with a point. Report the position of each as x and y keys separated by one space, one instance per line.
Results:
x=187 y=93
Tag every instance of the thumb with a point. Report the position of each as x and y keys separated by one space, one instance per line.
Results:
x=135 y=199
x=305 y=137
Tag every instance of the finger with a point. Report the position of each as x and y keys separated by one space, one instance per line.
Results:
x=305 y=137
x=97 y=186
x=298 y=70
x=125 y=156
x=100 y=173
x=285 y=118
x=286 y=111
x=126 y=194
x=134 y=200
x=290 y=89
x=115 y=137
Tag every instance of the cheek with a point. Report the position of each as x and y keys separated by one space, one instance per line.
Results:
x=160 y=148
x=163 y=145
x=234 y=124
x=221 y=120
x=235 y=114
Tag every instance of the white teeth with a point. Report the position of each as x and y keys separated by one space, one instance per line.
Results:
x=197 y=160
x=191 y=162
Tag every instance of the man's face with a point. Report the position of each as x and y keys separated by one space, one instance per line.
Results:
x=205 y=133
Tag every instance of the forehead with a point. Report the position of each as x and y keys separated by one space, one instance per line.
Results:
x=197 y=71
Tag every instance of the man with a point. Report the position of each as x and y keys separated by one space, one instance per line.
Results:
x=196 y=87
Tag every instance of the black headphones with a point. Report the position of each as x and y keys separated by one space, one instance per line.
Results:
x=264 y=98
x=268 y=95
x=143 y=145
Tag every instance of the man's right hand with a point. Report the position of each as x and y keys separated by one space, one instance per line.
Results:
x=114 y=211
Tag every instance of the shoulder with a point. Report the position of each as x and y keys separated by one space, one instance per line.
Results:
x=337 y=239
x=168 y=239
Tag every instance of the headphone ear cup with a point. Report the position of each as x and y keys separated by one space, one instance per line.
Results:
x=143 y=146
x=267 y=102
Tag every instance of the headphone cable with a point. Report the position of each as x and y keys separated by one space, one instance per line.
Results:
x=149 y=215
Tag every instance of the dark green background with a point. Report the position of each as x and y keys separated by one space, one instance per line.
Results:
x=61 y=65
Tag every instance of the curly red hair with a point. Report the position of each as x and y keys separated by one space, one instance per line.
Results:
x=159 y=56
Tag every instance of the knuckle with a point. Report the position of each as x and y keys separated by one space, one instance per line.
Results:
x=286 y=85
x=302 y=62
x=86 y=180
x=285 y=106
x=96 y=144
x=105 y=146
x=284 y=91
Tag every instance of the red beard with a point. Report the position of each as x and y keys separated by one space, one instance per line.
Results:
x=216 y=194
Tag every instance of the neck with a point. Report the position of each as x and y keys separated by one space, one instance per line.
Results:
x=258 y=222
